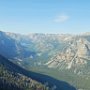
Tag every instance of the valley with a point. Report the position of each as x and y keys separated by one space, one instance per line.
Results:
x=26 y=80
x=63 y=57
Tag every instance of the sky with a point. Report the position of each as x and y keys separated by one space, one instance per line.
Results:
x=45 y=16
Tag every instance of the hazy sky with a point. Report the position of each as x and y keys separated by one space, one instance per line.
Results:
x=45 y=16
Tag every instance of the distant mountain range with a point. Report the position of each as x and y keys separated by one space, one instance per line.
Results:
x=37 y=47
x=64 y=53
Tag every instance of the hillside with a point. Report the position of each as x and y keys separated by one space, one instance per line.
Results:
x=16 y=78
x=10 y=79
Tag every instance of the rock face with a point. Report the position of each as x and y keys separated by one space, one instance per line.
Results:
x=83 y=48
x=75 y=55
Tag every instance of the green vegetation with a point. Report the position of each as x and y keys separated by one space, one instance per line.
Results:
x=78 y=81
x=12 y=80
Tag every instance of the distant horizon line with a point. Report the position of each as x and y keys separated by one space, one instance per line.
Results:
x=80 y=33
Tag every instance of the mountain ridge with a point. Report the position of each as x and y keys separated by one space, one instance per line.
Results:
x=32 y=48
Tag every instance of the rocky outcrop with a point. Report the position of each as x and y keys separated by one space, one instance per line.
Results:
x=74 y=55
